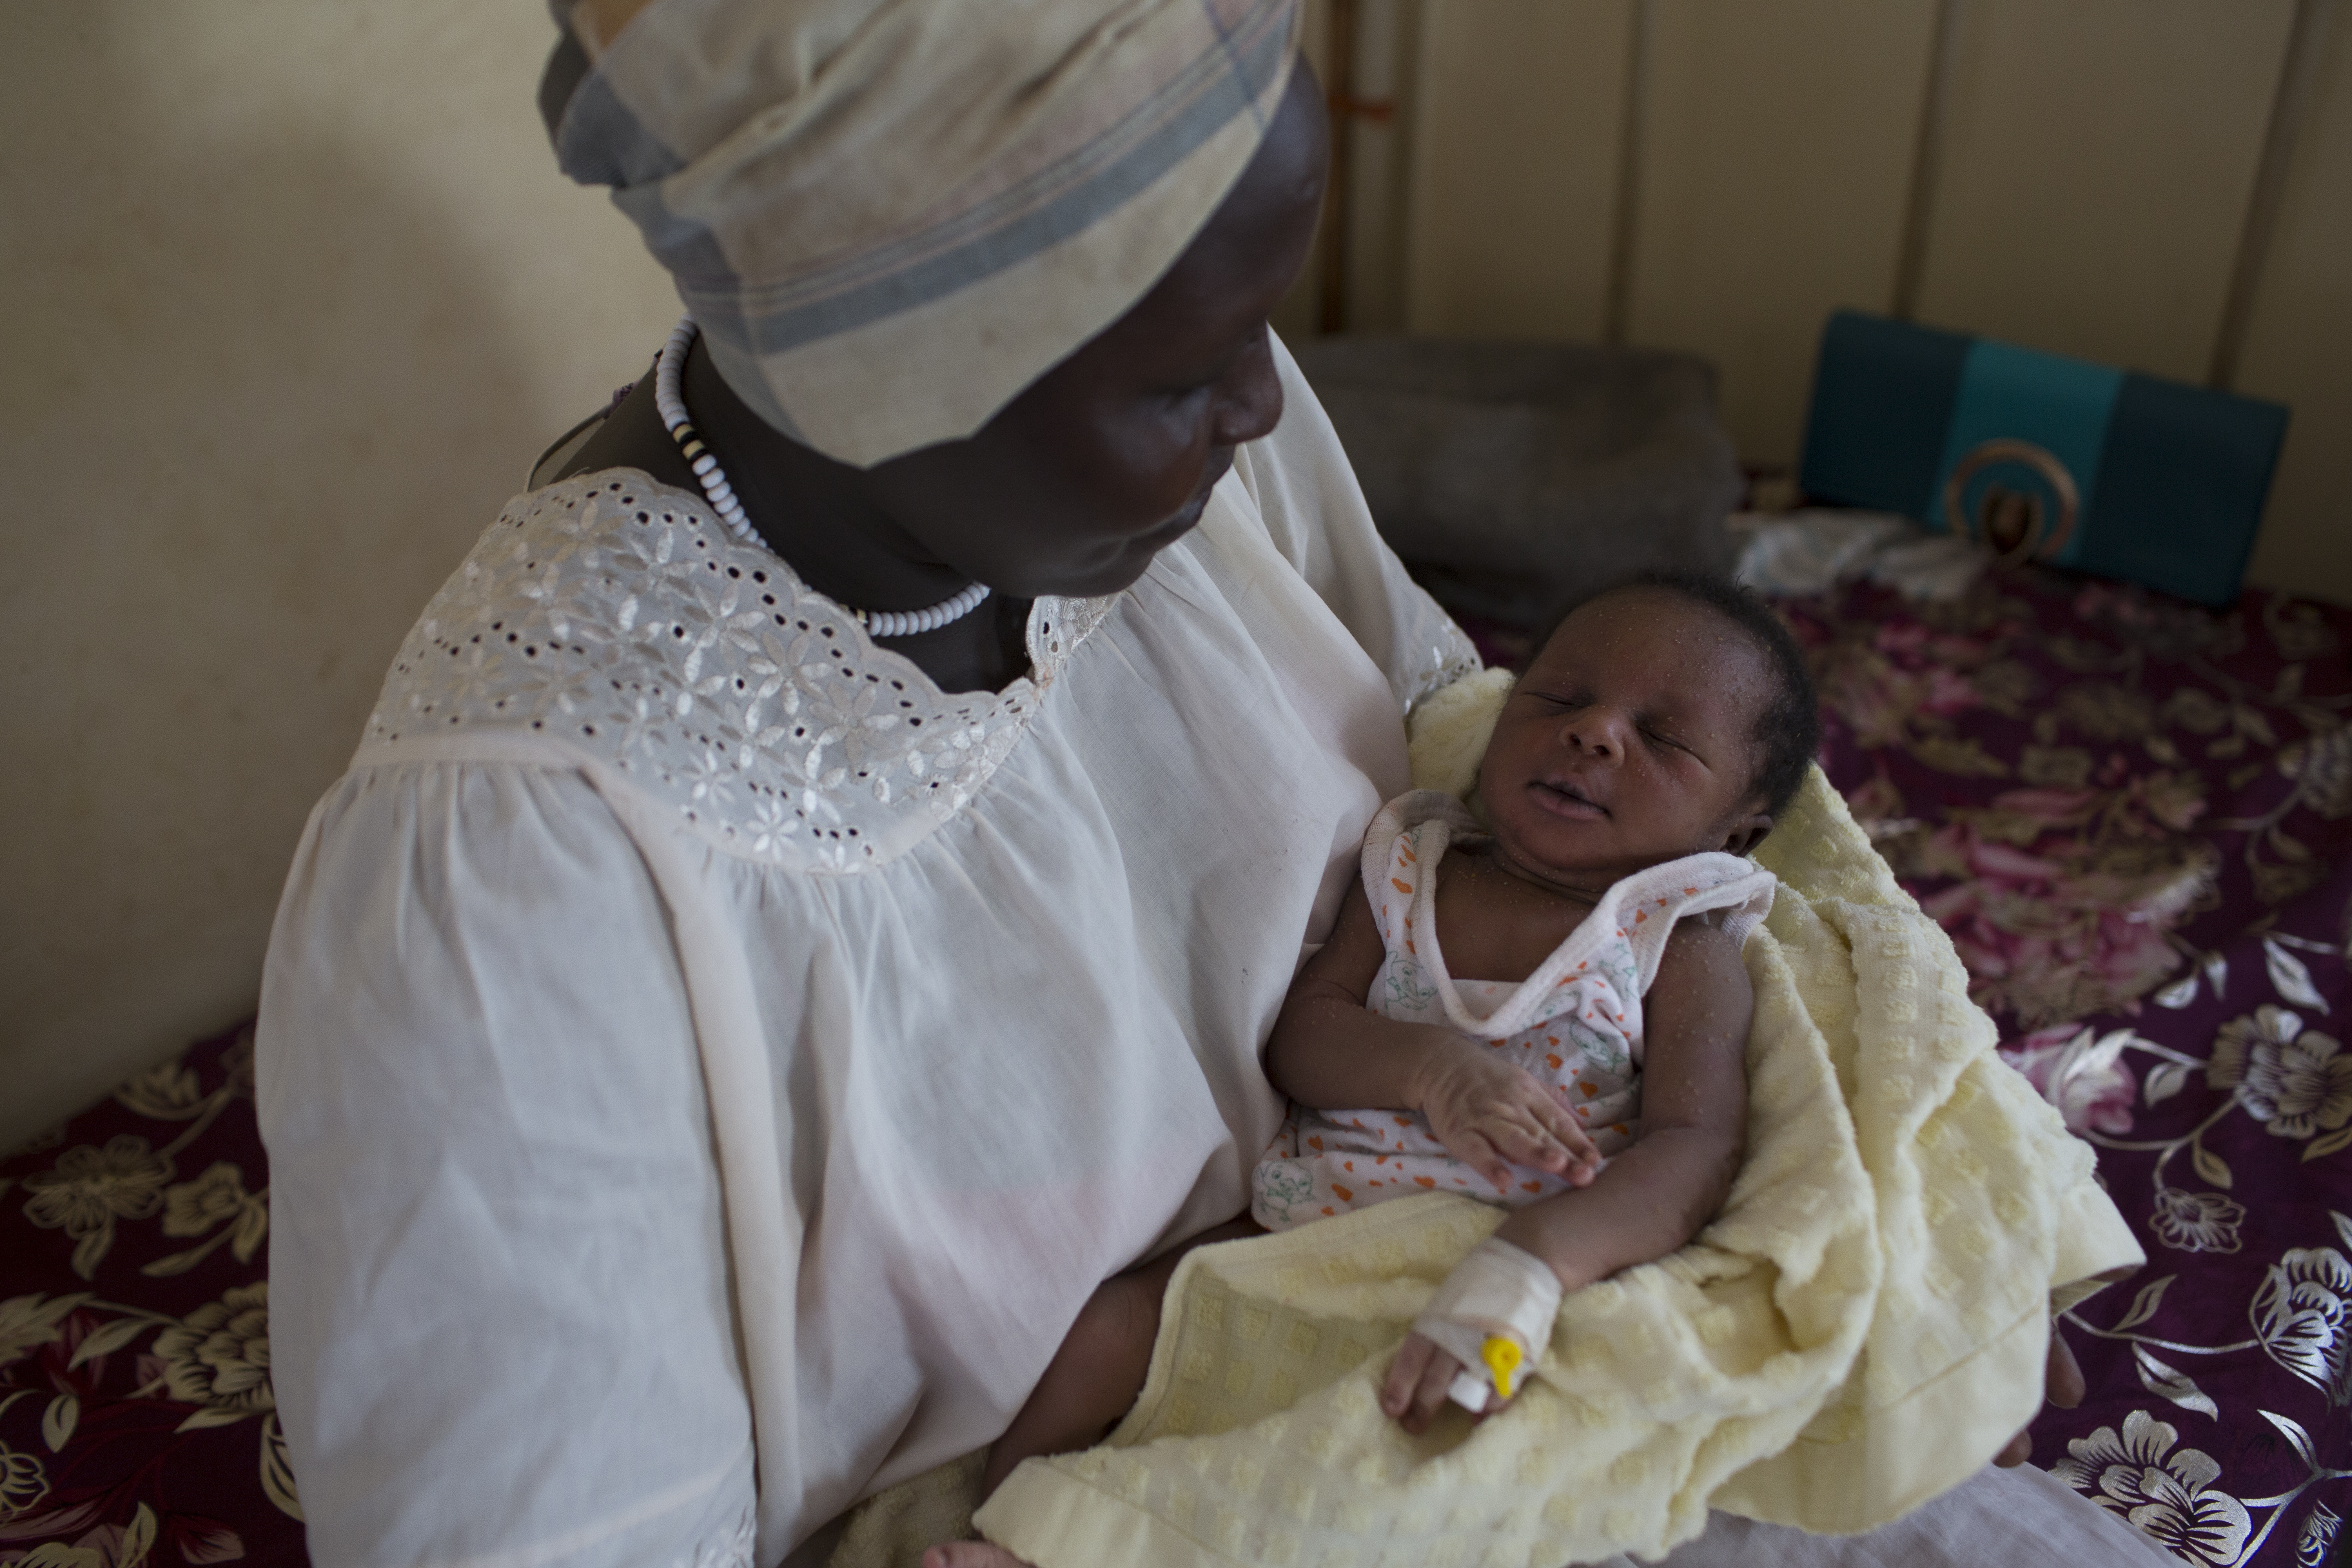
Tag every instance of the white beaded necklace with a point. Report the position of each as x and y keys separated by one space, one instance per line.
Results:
x=671 y=403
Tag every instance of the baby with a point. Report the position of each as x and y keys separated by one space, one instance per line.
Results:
x=1592 y=1077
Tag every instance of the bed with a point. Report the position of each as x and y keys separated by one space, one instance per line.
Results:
x=2132 y=816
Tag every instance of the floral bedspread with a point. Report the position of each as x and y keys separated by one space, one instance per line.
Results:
x=136 y=1421
x=2134 y=816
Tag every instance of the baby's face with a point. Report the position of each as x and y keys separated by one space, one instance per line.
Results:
x=1629 y=742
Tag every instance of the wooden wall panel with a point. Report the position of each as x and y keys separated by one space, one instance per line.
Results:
x=1520 y=105
x=2095 y=164
x=2098 y=159
x=1778 y=145
x=1387 y=37
x=2299 y=343
x=1377 y=169
x=1297 y=316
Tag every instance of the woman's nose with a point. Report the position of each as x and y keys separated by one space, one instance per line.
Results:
x=1249 y=401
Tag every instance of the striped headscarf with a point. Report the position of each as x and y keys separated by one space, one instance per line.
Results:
x=889 y=216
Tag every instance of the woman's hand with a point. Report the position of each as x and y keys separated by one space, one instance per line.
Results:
x=1491 y=1115
x=2062 y=1385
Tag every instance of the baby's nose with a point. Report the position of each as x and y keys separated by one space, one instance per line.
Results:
x=1596 y=733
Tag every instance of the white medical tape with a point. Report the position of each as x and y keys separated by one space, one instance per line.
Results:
x=1500 y=1290
x=1471 y=1393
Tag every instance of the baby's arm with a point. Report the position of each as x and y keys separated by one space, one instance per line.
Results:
x=1330 y=1052
x=1657 y=1194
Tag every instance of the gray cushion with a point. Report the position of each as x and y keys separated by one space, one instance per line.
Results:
x=1517 y=478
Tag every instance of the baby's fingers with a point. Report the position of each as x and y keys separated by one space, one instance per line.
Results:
x=1427 y=1395
x=1476 y=1149
x=1529 y=1144
x=1405 y=1374
x=1583 y=1153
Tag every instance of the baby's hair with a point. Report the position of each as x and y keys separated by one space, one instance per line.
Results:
x=1789 y=729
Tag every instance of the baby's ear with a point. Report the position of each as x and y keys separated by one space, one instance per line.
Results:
x=1746 y=831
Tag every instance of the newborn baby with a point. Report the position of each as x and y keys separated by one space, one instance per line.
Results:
x=1592 y=1074
x=1645 y=750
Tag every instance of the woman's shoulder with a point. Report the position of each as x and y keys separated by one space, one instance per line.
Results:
x=1302 y=499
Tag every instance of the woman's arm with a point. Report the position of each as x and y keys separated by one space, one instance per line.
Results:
x=1315 y=515
x=1331 y=1052
x=500 y=1320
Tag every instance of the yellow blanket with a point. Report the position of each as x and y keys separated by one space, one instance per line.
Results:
x=1861 y=1328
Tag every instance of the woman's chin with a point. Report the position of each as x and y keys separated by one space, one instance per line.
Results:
x=1117 y=571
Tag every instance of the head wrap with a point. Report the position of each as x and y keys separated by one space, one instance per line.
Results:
x=891 y=216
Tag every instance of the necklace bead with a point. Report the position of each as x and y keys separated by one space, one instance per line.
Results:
x=670 y=403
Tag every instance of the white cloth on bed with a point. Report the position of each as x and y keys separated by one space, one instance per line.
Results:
x=2021 y=1518
x=688 y=1034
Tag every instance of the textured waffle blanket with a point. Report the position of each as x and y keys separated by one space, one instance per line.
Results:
x=1861 y=1328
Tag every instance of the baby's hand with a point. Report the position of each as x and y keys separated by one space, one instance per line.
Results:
x=1417 y=1381
x=1491 y=1115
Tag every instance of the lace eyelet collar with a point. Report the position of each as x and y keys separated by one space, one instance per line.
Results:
x=612 y=614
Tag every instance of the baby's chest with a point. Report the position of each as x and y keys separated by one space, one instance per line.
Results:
x=1585 y=1029
x=1490 y=926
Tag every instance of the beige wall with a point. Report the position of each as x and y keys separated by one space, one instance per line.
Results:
x=2299 y=339
x=1716 y=175
x=293 y=293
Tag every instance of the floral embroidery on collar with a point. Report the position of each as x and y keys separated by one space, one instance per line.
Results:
x=613 y=614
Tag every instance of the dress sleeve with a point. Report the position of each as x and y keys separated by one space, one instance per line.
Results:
x=502 y=1321
x=1315 y=512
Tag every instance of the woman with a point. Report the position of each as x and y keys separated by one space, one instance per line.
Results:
x=716 y=1040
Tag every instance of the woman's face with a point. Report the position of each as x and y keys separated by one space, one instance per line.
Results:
x=1109 y=456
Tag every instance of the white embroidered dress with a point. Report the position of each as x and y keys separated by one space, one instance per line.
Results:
x=1574 y=1023
x=705 y=1068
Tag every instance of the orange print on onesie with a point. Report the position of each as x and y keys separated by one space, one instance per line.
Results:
x=1574 y=1023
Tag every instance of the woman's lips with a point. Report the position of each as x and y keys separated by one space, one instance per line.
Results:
x=1219 y=464
x=1566 y=800
x=1186 y=518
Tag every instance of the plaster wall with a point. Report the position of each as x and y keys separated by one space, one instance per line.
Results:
x=292 y=293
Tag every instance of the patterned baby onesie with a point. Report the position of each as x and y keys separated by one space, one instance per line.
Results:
x=1576 y=1022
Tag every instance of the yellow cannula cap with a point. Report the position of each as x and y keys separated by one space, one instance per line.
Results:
x=1502 y=1357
